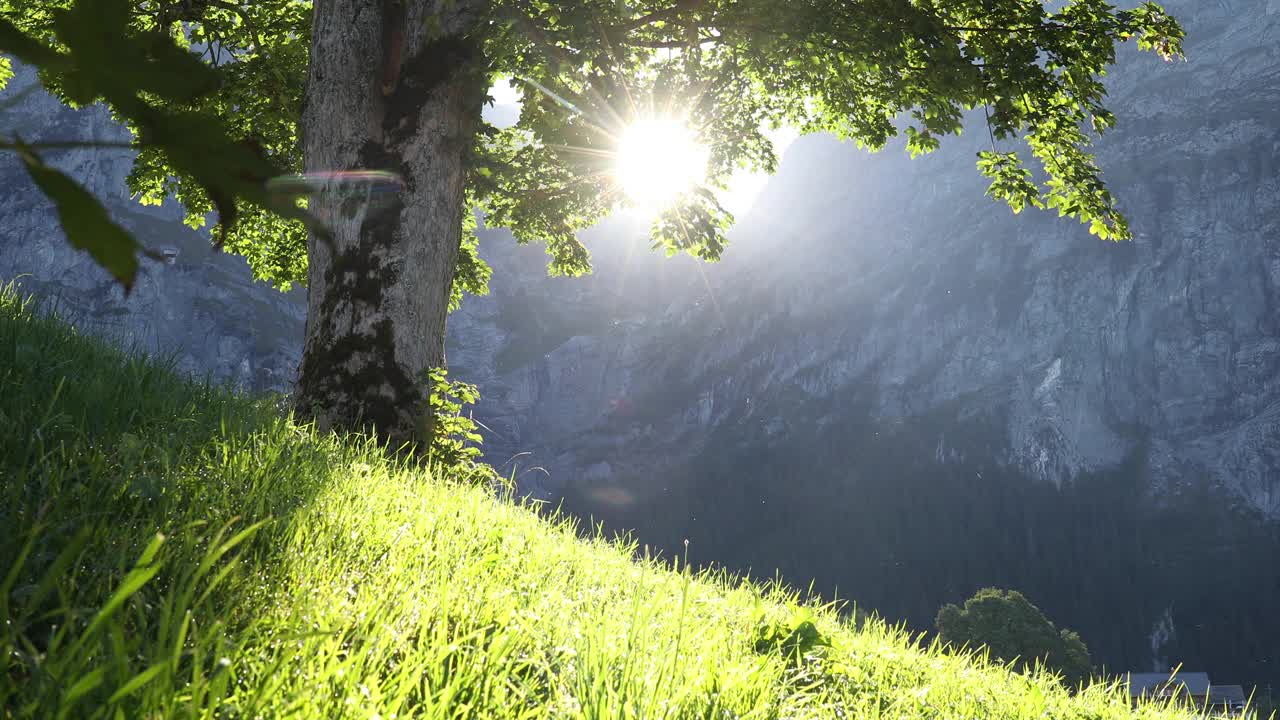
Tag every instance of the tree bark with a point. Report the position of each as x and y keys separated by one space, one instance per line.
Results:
x=393 y=85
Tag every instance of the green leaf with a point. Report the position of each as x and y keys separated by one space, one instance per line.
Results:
x=175 y=73
x=14 y=42
x=83 y=686
x=11 y=577
x=144 y=570
x=137 y=681
x=85 y=221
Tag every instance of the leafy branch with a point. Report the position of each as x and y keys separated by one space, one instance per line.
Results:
x=97 y=55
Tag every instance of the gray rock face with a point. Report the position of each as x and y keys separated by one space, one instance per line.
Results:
x=863 y=274
x=855 y=275
x=864 y=296
x=200 y=308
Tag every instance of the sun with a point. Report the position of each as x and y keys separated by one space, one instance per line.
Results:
x=659 y=159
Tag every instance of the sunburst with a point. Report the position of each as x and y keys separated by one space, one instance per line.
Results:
x=657 y=160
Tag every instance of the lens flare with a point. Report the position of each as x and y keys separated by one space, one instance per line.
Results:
x=367 y=191
x=377 y=182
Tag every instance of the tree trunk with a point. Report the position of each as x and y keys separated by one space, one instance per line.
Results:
x=394 y=85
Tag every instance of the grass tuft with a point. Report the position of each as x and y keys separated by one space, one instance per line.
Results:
x=170 y=549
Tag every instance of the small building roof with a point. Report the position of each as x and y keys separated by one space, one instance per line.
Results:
x=1196 y=683
x=1226 y=695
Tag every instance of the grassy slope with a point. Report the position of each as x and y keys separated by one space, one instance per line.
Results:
x=302 y=576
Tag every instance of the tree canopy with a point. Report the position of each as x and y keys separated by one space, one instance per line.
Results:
x=1014 y=631
x=226 y=96
x=214 y=91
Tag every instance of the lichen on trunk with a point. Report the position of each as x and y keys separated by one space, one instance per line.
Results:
x=395 y=85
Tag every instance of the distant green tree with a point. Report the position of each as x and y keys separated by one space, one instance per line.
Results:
x=1014 y=631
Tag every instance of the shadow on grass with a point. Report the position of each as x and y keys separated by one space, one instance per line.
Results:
x=104 y=451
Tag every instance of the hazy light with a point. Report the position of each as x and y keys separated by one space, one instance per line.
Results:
x=658 y=159
x=738 y=196
x=745 y=186
x=504 y=92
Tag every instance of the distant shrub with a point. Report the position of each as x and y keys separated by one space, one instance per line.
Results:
x=1015 y=632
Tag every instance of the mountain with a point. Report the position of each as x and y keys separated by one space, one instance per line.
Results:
x=199 y=308
x=857 y=271
x=889 y=377
x=890 y=387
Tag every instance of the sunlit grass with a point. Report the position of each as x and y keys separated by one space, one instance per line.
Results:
x=168 y=549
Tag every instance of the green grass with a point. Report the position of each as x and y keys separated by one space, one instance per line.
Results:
x=168 y=549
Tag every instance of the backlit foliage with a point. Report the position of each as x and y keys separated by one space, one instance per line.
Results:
x=866 y=71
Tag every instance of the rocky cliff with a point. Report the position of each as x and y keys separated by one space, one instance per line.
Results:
x=860 y=274
x=199 y=308
x=869 y=307
x=902 y=392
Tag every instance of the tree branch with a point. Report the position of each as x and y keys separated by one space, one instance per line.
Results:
x=536 y=34
x=244 y=17
x=1025 y=28
x=661 y=44
x=672 y=14
x=655 y=16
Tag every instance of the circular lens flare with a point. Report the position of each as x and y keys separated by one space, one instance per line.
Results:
x=659 y=159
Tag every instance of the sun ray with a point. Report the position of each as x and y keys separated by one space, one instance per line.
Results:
x=593 y=152
x=711 y=296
